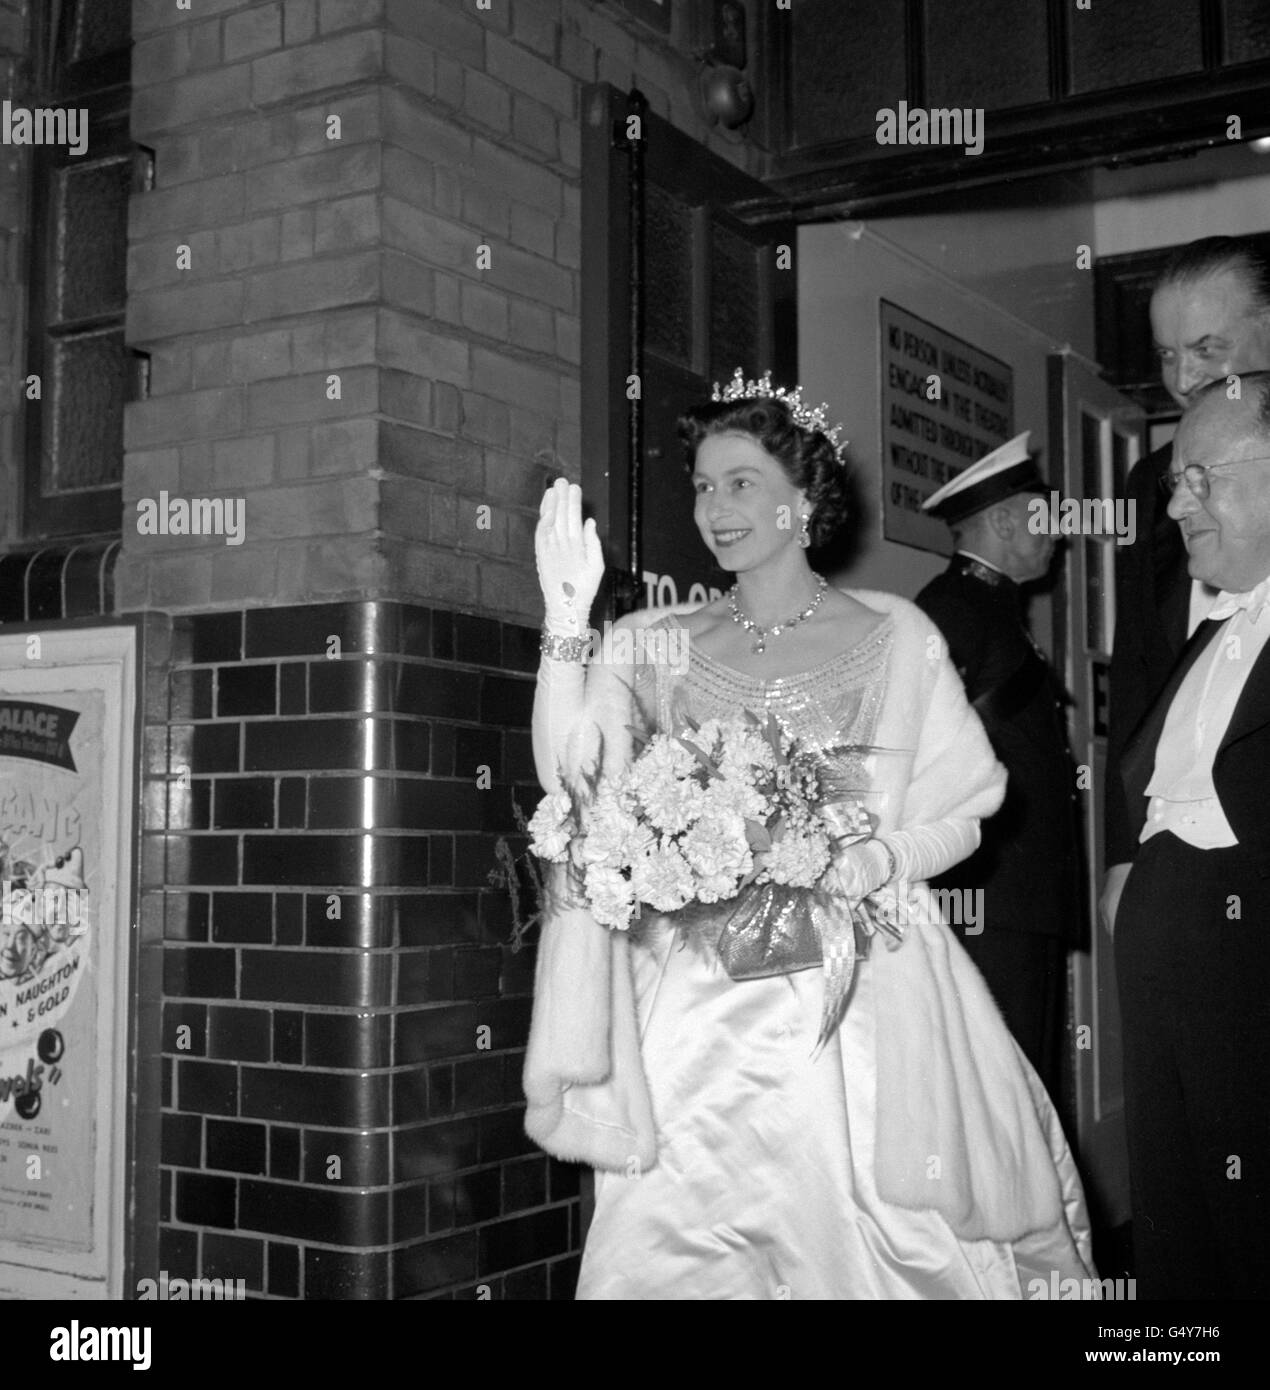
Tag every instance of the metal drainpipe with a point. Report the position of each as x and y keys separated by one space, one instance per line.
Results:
x=637 y=106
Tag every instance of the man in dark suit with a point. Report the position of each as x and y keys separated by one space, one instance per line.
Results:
x=1192 y=955
x=1027 y=865
x=1210 y=316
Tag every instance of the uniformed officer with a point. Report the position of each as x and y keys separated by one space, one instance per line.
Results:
x=1028 y=865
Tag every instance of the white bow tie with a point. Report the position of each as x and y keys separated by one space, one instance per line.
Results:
x=1252 y=602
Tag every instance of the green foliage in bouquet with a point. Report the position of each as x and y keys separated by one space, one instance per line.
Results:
x=545 y=896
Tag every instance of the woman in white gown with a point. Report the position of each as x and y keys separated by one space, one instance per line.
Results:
x=915 y=1155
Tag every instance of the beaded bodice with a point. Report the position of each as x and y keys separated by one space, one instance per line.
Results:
x=833 y=704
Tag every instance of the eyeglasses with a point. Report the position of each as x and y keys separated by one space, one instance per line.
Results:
x=1196 y=475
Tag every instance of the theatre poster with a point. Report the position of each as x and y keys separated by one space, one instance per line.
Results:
x=67 y=715
x=945 y=404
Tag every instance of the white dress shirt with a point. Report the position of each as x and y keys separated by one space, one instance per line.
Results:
x=1183 y=798
x=1202 y=599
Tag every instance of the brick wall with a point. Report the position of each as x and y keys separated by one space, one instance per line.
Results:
x=372 y=341
x=482 y=149
x=14 y=250
x=262 y=334
x=360 y=257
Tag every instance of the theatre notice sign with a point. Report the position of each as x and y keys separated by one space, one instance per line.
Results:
x=67 y=711
x=945 y=404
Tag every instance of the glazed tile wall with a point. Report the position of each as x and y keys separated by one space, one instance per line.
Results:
x=335 y=1119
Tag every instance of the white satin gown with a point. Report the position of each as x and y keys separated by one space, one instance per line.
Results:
x=763 y=1187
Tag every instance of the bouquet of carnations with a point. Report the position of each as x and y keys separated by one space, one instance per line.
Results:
x=696 y=816
x=729 y=809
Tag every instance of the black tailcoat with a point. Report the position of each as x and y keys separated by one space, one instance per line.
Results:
x=1153 y=595
x=1193 y=969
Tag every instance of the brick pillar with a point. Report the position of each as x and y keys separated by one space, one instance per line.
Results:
x=340 y=1020
x=341 y=1117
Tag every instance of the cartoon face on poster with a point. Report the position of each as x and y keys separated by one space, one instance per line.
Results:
x=49 y=874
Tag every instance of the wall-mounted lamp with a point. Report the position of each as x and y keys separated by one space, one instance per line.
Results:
x=726 y=93
x=727 y=96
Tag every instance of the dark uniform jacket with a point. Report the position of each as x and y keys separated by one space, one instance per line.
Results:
x=1153 y=596
x=1029 y=863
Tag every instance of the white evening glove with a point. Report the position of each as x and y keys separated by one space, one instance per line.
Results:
x=570 y=567
x=920 y=854
x=570 y=561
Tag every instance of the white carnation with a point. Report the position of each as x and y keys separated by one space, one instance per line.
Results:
x=798 y=860
x=734 y=794
x=551 y=827
x=716 y=887
x=614 y=835
x=671 y=797
x=717 y=851
x=611 y=896
x=745 y=749
x=663 y=879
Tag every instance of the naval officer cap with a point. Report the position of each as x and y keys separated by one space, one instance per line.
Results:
x=998 y=475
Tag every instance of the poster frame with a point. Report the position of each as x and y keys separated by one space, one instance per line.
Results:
x=112 y=648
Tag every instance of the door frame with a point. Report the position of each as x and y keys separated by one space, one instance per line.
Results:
x=1077 y=391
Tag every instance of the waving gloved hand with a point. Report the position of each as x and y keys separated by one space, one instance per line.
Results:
x=570 y=561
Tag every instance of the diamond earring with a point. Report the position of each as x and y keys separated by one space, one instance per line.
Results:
x=804 y=536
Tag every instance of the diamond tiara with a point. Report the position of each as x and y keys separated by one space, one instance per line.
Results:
x=739 y=389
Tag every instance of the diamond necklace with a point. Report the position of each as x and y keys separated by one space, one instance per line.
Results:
x=763 y=633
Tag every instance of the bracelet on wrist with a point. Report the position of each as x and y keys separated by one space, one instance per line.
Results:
x=892 y=863
x=564 y=648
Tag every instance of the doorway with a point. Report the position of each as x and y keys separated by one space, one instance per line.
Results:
x=677 y=291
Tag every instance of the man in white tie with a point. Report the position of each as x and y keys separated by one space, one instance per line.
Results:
x=1210 y=316
x=1192 y=933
